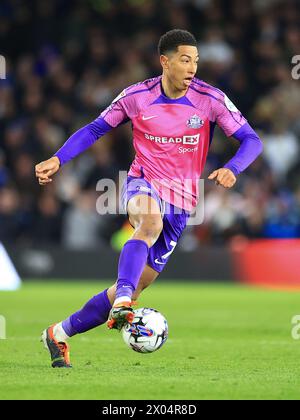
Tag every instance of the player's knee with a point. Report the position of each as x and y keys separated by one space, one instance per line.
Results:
x=151 y=228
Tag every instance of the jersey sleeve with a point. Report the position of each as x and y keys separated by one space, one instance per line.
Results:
x=250 y=148
x=120 y=110
x=226 y=115
x=84 y=138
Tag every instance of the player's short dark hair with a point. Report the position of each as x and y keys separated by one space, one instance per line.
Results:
x=172 y=39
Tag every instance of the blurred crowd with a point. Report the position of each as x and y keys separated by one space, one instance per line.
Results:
x=67 y=59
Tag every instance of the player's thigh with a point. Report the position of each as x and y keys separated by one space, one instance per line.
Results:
x=148 y=276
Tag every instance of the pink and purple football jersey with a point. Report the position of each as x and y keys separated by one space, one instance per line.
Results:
x=171 y=137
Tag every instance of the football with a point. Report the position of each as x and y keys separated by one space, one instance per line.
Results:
x=148 y=331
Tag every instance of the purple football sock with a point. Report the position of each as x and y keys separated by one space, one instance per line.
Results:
x=132 y=262
x=94 y=313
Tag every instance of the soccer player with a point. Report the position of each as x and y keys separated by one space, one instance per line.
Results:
x=173 y=118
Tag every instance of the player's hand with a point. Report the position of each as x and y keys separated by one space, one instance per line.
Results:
x=45 y=170
x=224 y=177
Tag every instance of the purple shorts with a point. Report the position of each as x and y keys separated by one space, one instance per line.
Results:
x=174 y=221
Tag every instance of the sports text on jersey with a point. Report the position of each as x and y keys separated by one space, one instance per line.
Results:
x=194 y=139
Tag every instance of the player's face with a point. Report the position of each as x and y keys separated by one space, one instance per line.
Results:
x=181 y=66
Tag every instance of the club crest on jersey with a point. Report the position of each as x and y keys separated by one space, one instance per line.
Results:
x=195 y=122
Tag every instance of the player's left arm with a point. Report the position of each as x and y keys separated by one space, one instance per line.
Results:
x=234 y=124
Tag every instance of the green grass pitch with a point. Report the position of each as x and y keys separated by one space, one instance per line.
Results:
x=225 y=342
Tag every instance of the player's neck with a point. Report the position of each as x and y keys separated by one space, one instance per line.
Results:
x=170 y=90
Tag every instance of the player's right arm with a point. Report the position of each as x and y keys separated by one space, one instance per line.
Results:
x=46 y=169
x=113 y=116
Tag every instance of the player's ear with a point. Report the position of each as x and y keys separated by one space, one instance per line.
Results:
x=164 y=61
